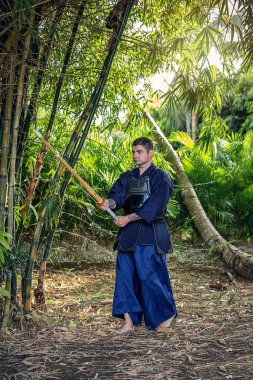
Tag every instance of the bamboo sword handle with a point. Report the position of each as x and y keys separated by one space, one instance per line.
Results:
x=75 y=174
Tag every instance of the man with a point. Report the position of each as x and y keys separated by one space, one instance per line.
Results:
x=142 y=285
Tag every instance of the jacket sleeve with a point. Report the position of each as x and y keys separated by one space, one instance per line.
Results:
x=118 y=191
x=161 y=190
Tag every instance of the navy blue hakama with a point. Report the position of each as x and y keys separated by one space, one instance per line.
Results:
x=143 y=287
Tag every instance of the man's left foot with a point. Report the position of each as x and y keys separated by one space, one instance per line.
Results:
x=125 y=330
x=166 y=324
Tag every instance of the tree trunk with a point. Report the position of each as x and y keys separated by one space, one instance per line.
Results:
x=240 y=262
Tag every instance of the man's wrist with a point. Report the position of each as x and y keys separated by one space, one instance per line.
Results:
x=132 y=217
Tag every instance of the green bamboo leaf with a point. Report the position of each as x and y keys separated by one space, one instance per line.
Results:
x=239 y=31
x=4 y=243
x=31 y=207
x=2 y=260
x=199 y=38
x=4 y=234
x=4 y=293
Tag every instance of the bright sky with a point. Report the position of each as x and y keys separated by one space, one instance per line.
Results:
x=160 y=81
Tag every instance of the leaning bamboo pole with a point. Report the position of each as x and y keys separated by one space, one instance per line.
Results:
x=239 y=261
x=86 y=119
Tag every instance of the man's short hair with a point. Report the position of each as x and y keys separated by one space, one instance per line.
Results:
x=144 y=141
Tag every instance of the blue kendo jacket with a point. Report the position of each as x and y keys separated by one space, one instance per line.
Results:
x=150 y=229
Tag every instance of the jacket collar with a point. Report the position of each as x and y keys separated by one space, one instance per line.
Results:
x=147 y=171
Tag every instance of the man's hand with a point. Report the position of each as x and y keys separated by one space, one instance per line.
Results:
x=105 y=205
x=122 y=221
x=108 y=203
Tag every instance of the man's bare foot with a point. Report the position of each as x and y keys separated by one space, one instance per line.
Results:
x=166 y=324
x=125 y=329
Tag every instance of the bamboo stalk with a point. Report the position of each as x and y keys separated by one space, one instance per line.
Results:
x=12 y=171
x=32 y=60
x=38 y=82
x=34 y=181
x=7 y=302
x=27 y=280
x=195 y=121
x=11 y=40
x=39 y=291
x=19 y=98
x=65 y=63
x=5 y=143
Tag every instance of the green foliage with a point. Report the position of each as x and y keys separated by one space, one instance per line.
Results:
x=22 y=9
x=222 y=176
x=237 y=106
x=4 y=246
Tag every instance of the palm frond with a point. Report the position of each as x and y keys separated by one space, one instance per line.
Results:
x=183 y=138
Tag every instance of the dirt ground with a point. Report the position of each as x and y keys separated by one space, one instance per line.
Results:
x=74 y=339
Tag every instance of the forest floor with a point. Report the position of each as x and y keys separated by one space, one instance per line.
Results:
x=212 y=338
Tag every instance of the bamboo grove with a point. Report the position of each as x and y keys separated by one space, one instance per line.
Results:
x=69 y=69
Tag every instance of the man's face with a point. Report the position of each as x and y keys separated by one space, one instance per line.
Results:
x=141 y=156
